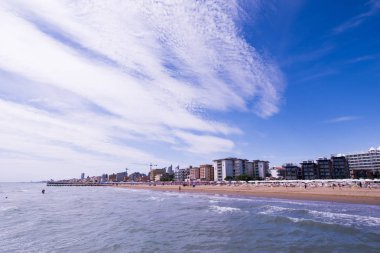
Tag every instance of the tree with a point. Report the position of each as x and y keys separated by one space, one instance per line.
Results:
x=228 y=178
x=244 y=178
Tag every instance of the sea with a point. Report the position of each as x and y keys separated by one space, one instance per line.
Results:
x=110 y=219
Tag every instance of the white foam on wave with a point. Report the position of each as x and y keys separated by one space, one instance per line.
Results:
x=158 y=199
x=274 y=209
x=224 y=209
x=347 y=219
x=8 y=208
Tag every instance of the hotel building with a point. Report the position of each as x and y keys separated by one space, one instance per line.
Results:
x=229 y=167
x=340 y=167
x=292 y=171
x=180 y=175
x=324 y=166
x=309 y=170
x=194 y=173
x=260 y=169
x=364 y=164
x=206 y=172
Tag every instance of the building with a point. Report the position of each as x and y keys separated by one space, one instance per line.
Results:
x=277 y=172
x=324 y=166
x=136 y=176
x=82 y=176
x=340 y=167
x=112 y=177
x=292 y=171
x=309 y=170
x=104 y=178
x=206 y=172
x=249 y=169
x=365 y=164
x=229 y=168
x=180 y=175
x=120 y=176
x=260 y=169
x=158 y=177
x=154 y=172
x=194 y=173
x=170 y=170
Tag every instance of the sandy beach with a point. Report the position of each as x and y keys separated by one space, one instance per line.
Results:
x=345 y=195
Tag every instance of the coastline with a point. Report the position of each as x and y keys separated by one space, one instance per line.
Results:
x=343 y=195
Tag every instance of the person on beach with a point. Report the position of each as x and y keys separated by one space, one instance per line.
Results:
x=43 y=191
x=179 y=188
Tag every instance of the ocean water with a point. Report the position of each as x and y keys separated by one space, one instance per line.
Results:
x=105 y=219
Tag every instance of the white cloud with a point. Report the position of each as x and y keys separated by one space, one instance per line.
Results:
x=150 y=67
x=374 y=7
x=342 y=119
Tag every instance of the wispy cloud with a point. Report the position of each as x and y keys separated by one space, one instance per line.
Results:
x=95 y=72
x=374 y=7
x=341 y=119
x=362 y=58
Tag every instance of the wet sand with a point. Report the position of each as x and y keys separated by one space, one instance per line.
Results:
x=344 y=195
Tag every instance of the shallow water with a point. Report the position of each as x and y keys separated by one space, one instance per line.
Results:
x=105 y=219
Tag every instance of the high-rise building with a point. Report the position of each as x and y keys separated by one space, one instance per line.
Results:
x=260 y=169
x=104 y=178
x=170 y=170
x=180 y=175
x=112 y=177
x=229 y=167
x=82 y=176
x=292 y=171
x=364 y=164
x=206 y=172
x=324 y=166
x=340 y=167
x=194 y=173
x=309 y=170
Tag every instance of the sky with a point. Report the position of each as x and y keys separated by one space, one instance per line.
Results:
x=100 y=86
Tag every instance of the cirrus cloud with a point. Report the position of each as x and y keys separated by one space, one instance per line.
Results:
x=138 y=71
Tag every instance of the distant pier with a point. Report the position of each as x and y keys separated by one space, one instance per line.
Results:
x=79 y=184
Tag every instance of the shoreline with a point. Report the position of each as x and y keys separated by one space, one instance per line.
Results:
x=343 y=195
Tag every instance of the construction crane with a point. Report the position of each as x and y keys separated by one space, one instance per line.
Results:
x=148 y=164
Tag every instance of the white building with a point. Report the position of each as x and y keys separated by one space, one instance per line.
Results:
x=230 y=167
x=364 y=161
x=260 y=168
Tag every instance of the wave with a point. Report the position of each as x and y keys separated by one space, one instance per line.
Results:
x=348 y=219
x=224 y=209
x=158 y=199
x=8 y=208
x=321 y=216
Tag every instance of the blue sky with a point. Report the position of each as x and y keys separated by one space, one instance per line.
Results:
x=99 y=86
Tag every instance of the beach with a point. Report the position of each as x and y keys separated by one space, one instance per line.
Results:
x=338 y=194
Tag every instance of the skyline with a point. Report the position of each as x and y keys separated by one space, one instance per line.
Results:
x=93 y=86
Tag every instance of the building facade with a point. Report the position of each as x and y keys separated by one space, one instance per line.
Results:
x=180 y=175
x=260 y=169
x=206 y=172
x=194 y=173
x=340 y=167
x=229 y=168
x=324 y=166
x=309 y=170
x=364 y=164
x=292 y=171
x=154 y=172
